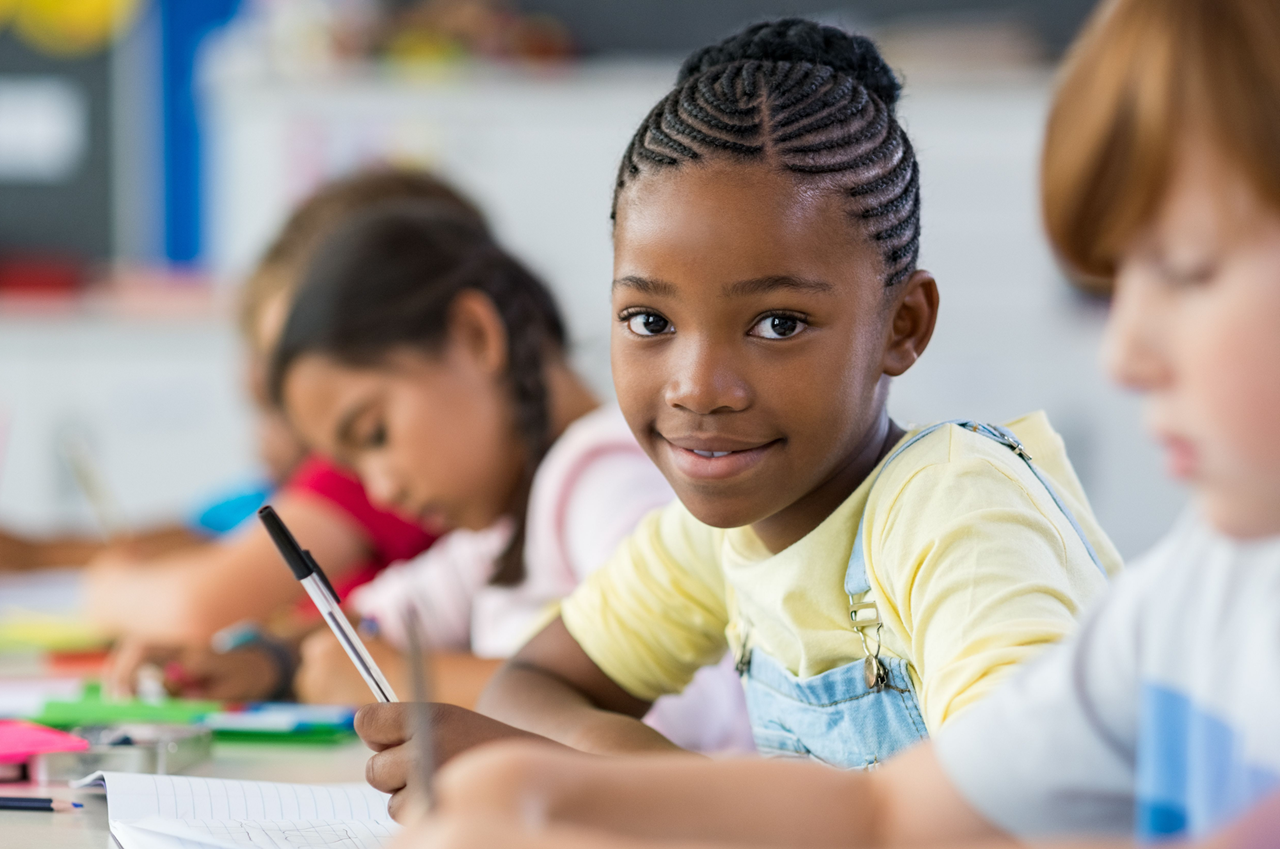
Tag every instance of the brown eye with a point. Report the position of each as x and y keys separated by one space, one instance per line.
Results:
x=777 y=327
x=648 y=324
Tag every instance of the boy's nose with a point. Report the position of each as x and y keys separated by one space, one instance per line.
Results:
x=1132 y=351
x=704 y=381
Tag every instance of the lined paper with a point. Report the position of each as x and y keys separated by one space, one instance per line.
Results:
x=184 y=812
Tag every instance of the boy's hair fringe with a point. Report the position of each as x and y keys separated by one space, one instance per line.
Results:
x=1144 y=76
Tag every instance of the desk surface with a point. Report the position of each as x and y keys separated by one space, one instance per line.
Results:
x=87 y=829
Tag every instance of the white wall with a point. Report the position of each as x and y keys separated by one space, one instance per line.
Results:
x=156 y=402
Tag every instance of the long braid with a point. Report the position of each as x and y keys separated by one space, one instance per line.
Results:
x=533 y=326
x=812 y=100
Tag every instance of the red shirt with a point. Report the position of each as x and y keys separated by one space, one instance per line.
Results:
x=391 y=536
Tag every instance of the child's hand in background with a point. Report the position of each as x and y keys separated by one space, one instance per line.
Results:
x=249 y=673
x=327 y=676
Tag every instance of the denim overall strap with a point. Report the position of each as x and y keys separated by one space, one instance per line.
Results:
x=847 y=716
x=855 y=578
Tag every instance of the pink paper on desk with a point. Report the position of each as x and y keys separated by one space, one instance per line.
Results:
x=20 y=740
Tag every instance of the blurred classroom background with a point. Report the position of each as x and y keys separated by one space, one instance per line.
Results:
x=149 y=148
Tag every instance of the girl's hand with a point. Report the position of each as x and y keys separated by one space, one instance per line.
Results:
x=246 y=674
x=327 y=676
x=385 y=729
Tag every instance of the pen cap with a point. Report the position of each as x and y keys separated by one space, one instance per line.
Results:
x=293 y=555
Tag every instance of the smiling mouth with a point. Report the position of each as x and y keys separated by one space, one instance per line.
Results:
x=715 y=462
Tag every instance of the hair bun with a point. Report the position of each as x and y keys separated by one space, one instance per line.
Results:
x=799 y=40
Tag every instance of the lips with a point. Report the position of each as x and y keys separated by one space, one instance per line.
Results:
x=716 y=457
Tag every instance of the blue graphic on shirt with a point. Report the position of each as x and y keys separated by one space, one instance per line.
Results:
x=1192 y=777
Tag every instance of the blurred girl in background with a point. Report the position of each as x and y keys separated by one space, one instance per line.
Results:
x=169 y=607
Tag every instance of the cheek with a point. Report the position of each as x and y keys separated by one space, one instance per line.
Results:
x=1232 y=357
x=454 y=446
x=637 y=380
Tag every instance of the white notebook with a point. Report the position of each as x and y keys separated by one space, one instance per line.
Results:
x=183 y=812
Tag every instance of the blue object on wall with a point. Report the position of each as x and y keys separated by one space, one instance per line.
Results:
x=183 y=26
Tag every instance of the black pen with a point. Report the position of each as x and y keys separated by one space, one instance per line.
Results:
x=313 y=580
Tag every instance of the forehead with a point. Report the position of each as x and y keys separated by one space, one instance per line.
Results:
x=737 y=221
x=1206 y=198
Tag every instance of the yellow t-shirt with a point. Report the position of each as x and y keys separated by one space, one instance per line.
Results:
x=972 y=565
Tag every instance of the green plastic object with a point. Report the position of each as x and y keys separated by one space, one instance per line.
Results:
x=95 y=711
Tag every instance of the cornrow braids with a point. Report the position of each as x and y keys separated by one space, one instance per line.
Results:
x=810 y=99
x=385 y=279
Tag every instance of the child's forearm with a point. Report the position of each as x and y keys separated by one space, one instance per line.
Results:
x=535 y=701
x=669 y=797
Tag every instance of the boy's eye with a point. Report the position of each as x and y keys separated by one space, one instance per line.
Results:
x=648 y=324
x=777 y=327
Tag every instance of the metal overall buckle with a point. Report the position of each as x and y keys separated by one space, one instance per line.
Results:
x=874 y=673
x=1005 y=438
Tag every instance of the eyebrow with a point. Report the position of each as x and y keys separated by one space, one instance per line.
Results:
x=754 y=286
x=645 y=285
x=772 y=283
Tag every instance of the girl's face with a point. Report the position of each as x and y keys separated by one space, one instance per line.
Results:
x=431 y=437
x=1196 y=326
x=752 y=338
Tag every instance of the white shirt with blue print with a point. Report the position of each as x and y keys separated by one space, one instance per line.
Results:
x=1160 y=718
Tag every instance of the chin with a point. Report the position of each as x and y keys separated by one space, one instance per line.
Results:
x=1240 y=518
x=719 y=512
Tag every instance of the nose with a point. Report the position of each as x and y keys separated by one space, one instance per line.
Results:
x=705 y=379
x=1133 y=349
x=381 y=484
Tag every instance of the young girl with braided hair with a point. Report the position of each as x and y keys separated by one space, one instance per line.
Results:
x=871 y=581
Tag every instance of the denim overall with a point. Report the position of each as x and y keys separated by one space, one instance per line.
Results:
x=856 y=715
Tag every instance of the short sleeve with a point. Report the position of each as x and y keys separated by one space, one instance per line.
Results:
x=608 y=500
x=977 y=574
x=655 y=613
x=1052 y=752
x=441 y=585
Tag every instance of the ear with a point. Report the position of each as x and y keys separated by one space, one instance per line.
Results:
x=915 y=312
x=476 y=332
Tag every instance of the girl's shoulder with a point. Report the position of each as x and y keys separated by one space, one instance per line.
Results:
x=589 y=492
x=600 y=435
x=964 y=449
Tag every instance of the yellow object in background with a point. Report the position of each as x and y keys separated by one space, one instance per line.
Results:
x=68 y=27
x=24 y=630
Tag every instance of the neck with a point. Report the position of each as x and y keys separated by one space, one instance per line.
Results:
x=789 y=526
x=568 y=397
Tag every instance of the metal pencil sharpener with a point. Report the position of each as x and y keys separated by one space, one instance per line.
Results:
x=155 y=749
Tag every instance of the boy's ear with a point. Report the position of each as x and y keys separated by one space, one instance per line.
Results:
x=477 y=331
x=915 y=312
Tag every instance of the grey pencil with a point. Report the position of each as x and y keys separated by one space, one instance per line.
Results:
x=420 y=711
